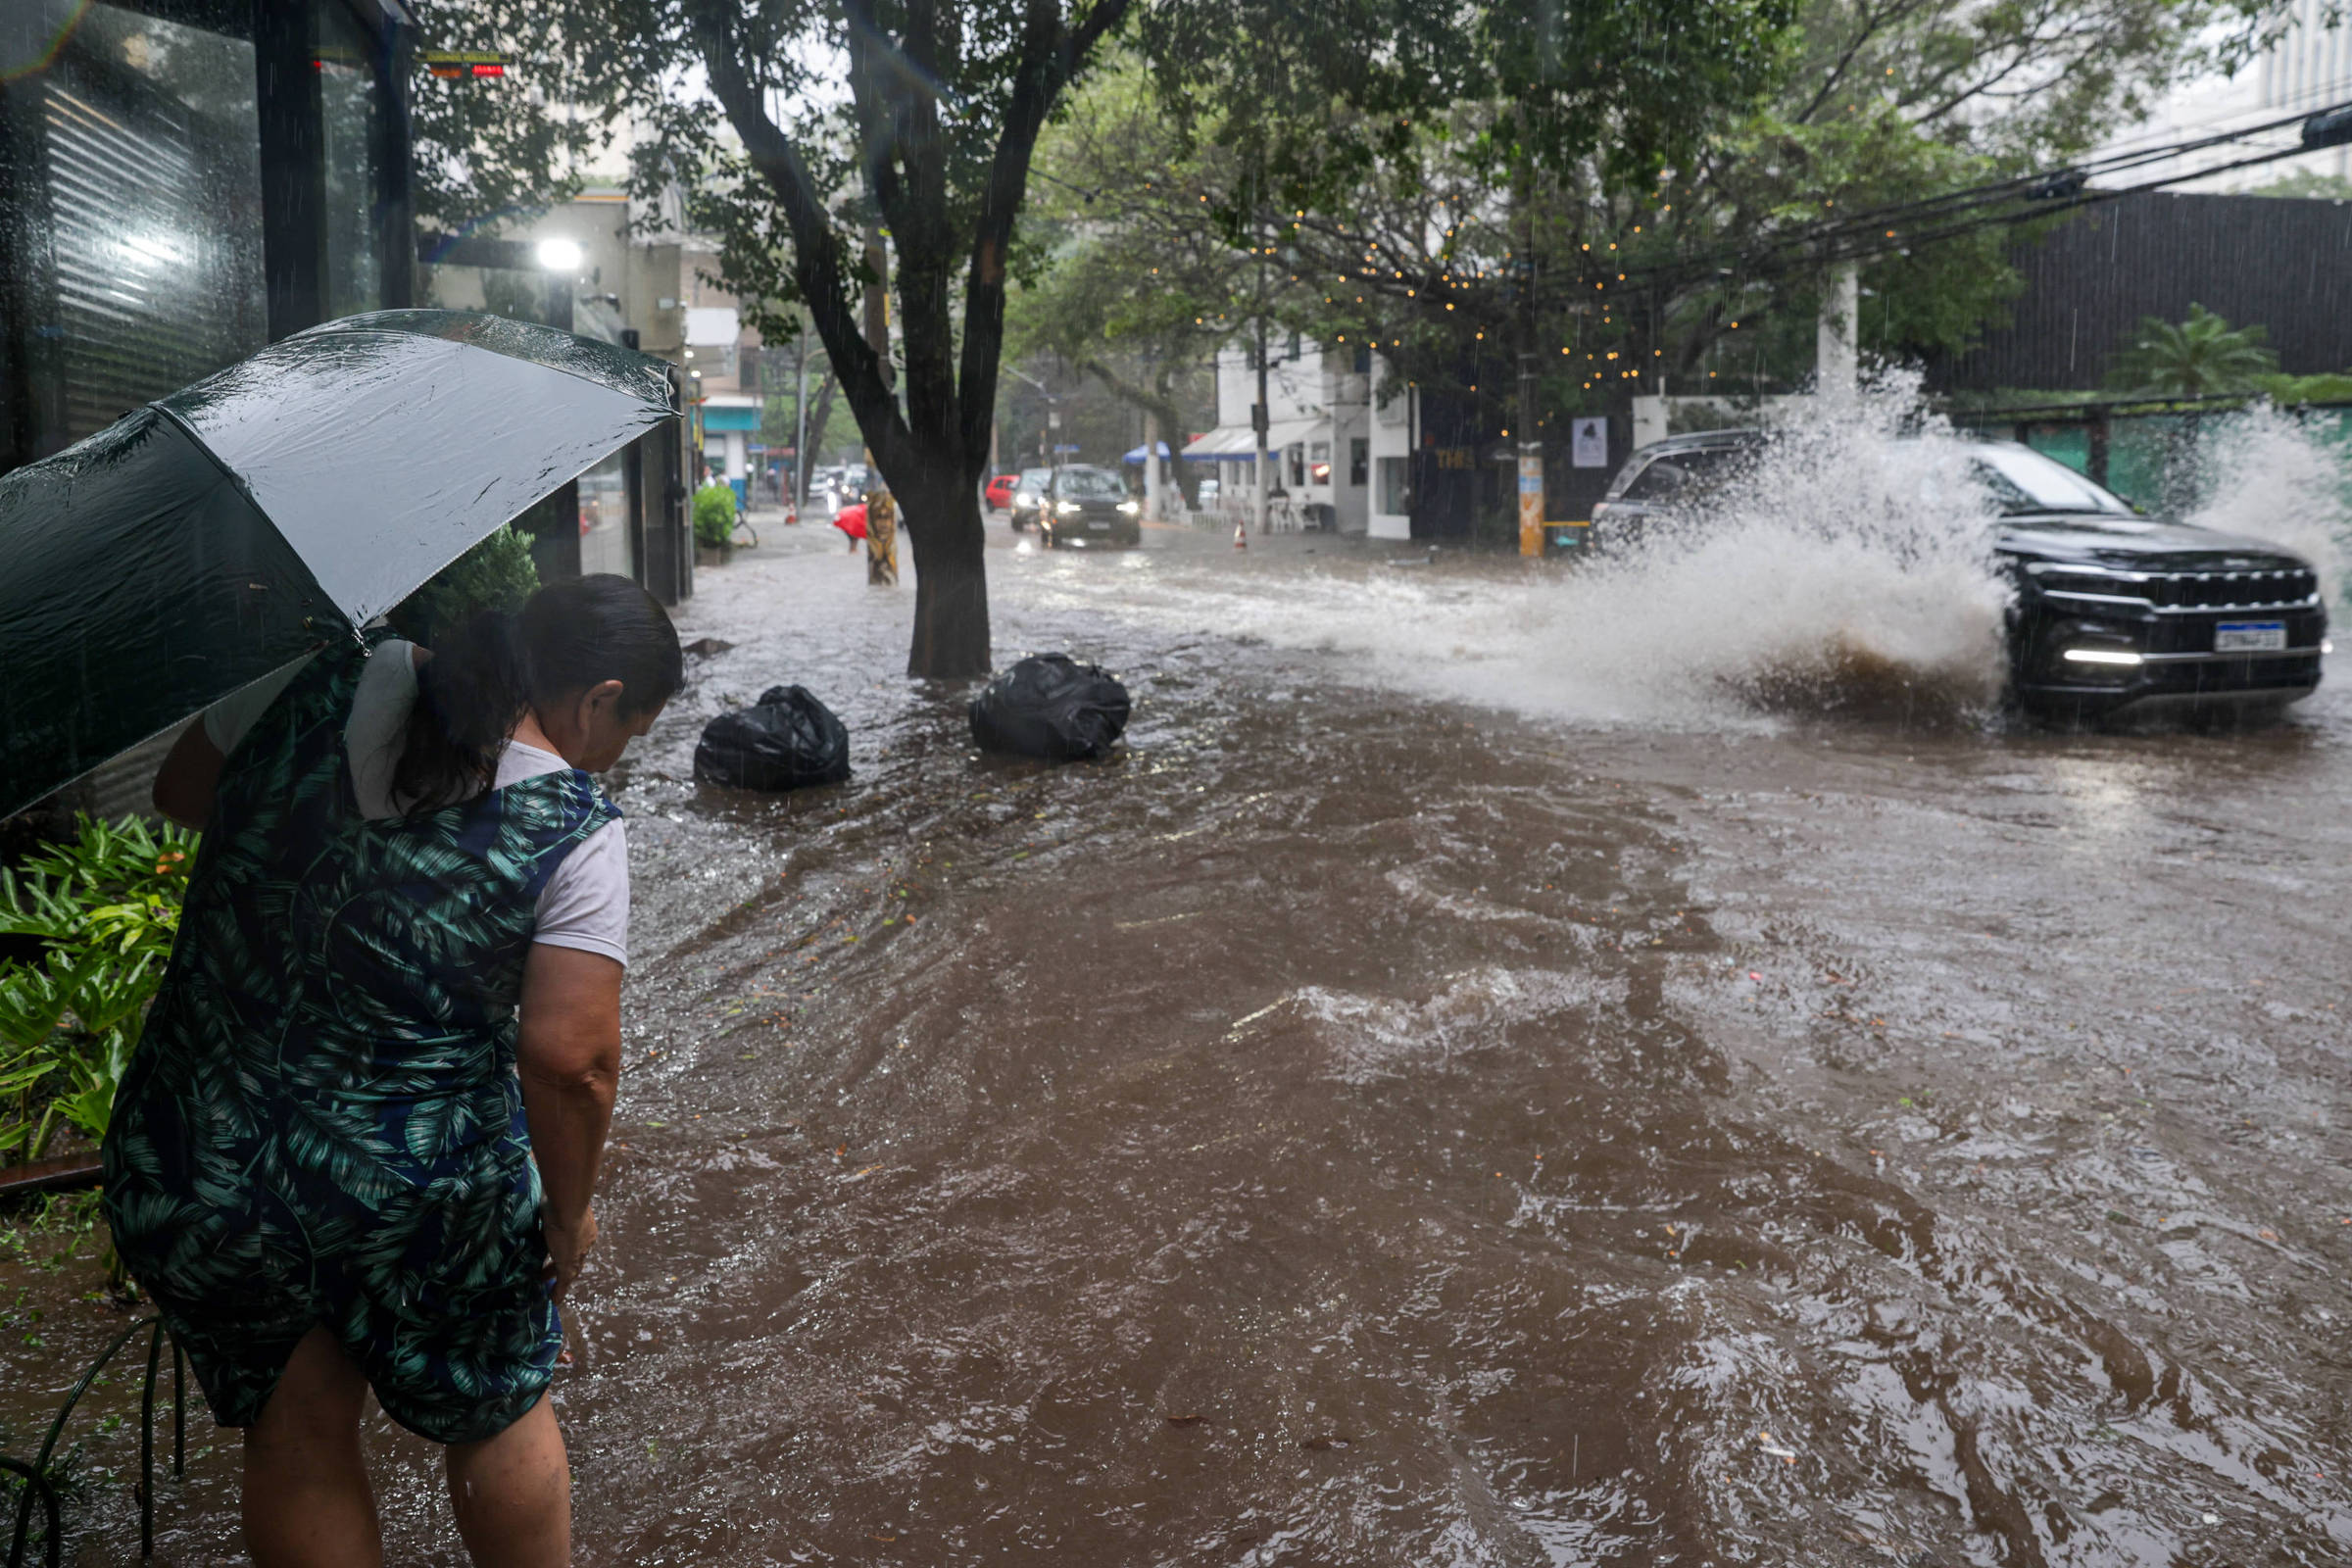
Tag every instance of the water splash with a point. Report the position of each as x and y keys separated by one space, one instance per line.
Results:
x=1850 y=570
x=2286 y=479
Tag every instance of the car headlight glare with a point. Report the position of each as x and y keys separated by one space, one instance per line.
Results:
x=2102 y=656
x=1065 y=508
x=1130 y=508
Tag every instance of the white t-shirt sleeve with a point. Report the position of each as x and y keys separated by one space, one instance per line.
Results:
x=585 y=904
x=227 y=720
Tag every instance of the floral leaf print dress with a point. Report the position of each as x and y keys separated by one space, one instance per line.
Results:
x=321 y=1124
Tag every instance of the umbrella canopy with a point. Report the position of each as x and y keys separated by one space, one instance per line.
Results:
x=243 y=523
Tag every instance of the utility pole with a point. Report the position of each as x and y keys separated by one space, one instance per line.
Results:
x=1259 y=420
x=1837 y=363
x=800 y=435
x=1531 y=439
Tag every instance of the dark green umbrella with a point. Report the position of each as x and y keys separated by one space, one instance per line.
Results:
x=236 y=525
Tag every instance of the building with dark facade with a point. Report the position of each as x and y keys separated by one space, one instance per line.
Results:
x=2277 y=262
x=184 y=182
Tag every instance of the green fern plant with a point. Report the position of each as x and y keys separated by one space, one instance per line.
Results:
x=104 y=908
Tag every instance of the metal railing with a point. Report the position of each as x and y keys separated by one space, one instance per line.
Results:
x=40 y=1479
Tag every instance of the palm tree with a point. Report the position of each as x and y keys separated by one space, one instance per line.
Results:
x=2196 y=358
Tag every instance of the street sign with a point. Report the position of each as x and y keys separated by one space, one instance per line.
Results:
x=1589 y=444
x=1068 y=447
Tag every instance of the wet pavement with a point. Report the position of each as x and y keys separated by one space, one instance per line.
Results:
x=1416 y=1106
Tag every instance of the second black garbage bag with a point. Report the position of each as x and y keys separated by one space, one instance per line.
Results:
x=1052 y=707
x=786 y=741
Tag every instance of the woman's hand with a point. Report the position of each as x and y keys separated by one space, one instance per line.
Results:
x=567 y=1248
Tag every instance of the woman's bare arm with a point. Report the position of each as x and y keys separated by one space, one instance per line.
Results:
x=569 y=1056
x=184 y=786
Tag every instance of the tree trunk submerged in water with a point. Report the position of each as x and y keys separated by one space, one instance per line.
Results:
x=943 y=523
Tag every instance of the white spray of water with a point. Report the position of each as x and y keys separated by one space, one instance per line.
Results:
x=1850 y=569
x=2285 y=478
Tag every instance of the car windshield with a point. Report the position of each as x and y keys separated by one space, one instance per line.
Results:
x=1090 y=484
x=1034 y=478
x=2021 y=479
x=1675 y=472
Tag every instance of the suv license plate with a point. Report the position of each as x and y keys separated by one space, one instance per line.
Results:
x=2249 y=637
x=1105 y=527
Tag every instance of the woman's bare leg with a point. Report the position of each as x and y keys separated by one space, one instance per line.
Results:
x=305 y=1484
x=513 y=1494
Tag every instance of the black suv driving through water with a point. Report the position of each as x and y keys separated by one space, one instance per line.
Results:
x=2110 y=609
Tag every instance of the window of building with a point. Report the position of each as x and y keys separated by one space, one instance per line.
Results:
x=605 y=544
x=134 y=245
x=1298 y=456
x=1359 y=460
x=1292 y=353
x=351 y=140
x=1395 y=488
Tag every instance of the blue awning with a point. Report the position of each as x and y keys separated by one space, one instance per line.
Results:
x=1137 y=455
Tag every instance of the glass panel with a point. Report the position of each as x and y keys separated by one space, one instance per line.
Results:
x=605 y=544
x=351 y=108
x=139 y=246
x=1393 y=489
x=521 y=294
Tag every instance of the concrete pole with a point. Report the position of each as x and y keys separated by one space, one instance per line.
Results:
x=800 y=437
x=1259 y=419
x=1836 y=371
x=1152 y=479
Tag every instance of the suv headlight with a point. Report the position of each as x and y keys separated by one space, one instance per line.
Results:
x=1065 y=508
x=1022 y=497
x=1130 y=508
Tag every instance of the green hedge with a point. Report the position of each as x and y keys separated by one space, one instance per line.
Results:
x=714 y=515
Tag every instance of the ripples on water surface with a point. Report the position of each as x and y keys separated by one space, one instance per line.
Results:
x=1359 y=1127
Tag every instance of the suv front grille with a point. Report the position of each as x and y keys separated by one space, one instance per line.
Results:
x=2282 y=588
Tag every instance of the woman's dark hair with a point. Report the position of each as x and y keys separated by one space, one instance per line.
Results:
x=570 y=635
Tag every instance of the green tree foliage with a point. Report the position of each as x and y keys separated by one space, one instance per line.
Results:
x=508 y=146
x=2201 y=357
x=1499 y=220
x=2307 y=184
x=1136 y=292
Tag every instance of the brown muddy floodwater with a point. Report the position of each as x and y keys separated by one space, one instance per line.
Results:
x=1423 y=1104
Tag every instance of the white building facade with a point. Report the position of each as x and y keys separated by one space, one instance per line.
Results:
x=1339 y=434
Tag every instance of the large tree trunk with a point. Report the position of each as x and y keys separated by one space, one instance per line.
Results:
x=931 y=453
x=943 y=523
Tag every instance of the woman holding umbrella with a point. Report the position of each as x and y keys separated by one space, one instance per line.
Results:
x=355 y=1146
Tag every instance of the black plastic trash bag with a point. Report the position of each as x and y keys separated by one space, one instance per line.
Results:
x=1052 y=707
x=787 y=740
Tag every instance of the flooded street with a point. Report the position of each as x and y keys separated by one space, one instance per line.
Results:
x=1414 y=1107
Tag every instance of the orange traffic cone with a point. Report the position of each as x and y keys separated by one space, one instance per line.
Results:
x=792 y=515
x=1241 y=536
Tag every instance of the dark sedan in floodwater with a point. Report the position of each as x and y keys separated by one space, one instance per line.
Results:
x=1088 y=508
x=2109 y=610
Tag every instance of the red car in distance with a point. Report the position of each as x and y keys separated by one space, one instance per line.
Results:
x=1000 y=491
